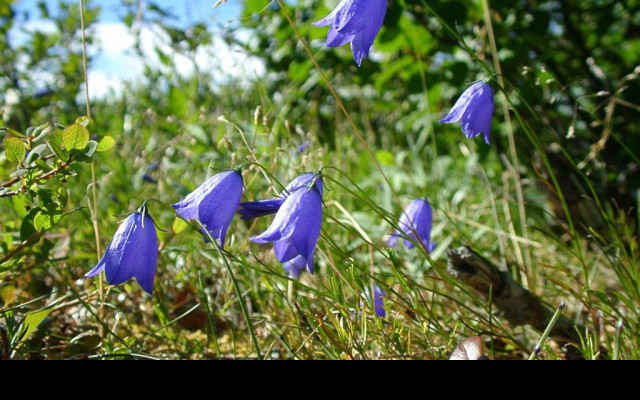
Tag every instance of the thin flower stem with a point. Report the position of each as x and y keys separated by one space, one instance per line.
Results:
x=205 y=299
x=547 y=332
x=339 y=101
x=94 y=192
x=343 y=108
x=510 y=134
x=236 y=287
x=528 y=130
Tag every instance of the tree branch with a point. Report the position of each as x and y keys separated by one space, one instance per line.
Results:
x=518 y=305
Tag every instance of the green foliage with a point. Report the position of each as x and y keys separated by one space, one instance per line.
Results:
x=570 y=71
x=15 y=150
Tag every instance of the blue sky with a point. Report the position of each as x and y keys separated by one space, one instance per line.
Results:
x=186 y=10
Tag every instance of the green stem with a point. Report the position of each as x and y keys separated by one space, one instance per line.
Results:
x=205 y=300
x=236 y=287
x=94 y=192
x=547 y=331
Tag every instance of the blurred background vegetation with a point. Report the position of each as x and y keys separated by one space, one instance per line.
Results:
x=571 y=71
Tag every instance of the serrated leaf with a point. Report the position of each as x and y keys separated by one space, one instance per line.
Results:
x=75 y=137
x=15 y=150
x=106 y=143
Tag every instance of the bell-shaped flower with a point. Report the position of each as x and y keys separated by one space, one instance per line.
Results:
x=296 y=227
x=214 y=203
x=256 y=209
x=132 y=253
x=295 y=267
x=417 y=218
x=357 y=22
x=474 y=110
x=378 y=301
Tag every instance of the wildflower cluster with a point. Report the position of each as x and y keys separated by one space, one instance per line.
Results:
x=298 y=211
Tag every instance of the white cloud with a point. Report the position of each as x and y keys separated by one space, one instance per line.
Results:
x=115 y=60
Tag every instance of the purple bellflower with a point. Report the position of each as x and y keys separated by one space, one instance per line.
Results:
x=474 y=109
x=378 y=301
x=214 y=203
x=357 y=22
x=295 y=267
x=304 y=147
x=256 y=209
x=296 y=228
x=132 y=253
x=418 y=218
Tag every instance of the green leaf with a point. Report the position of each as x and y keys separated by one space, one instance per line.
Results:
x=385 y=157
x=84 y=343
x=178 y=103
x=43 y=222
x=55 y=144
x=35 y=154
x=8 y=294
x=179 y=225
x=33 y=320
x=9 y=265
x=34 y=131
x=63 y=196
x=16 y=133
x=87 y=152
x=106 y=143
x=87 y=123
x=26 y=228
x=75 y=137
x=15 y=150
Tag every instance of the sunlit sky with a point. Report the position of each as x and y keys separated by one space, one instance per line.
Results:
x=114 y=62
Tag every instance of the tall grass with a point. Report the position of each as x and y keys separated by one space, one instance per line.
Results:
x=239 y=303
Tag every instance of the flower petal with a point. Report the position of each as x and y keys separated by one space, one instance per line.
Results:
x=361 y=15
x=378 y=302
x=189 y=206
x=471 y=95
x=147 y=260
x=337 y=39
x=220 y=205
x=295 y=267
x=417 y=218
x=330 y=19
x=97 y=270
x=284 y=224
x=285 y=250
x=255 y=209
x=309 y=226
